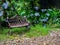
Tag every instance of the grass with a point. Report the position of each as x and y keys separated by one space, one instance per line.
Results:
x=2 y=37
x=35 y=31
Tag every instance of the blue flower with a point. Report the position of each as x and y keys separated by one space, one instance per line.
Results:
x=1 y=13
x=31 y=15
x=43 y=10
x=44 y=20
x=36 y=8
x=5 y=5
x=37 y=14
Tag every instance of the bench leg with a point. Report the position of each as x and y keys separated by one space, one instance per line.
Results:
x=9 y=32
x=1 y=28
x=28 y=27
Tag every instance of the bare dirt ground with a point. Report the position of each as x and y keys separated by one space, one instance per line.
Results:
x=53 y=38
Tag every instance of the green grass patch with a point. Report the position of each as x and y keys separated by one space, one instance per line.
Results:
x=2 y=37
x=35 y=31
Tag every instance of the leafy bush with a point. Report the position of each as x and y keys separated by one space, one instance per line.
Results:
x=33 y=13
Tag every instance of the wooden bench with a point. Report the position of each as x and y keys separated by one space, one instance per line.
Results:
x=17 y=21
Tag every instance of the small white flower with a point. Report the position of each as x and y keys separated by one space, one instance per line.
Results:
x=47 y=14
x=50 y=9
x=43 y=10
x=1 y=13
x=44 y=20
x=31 y=14
x=24 y=16
x=37 y=14
x=36 y=7
x=5 y=5
x=47 y=18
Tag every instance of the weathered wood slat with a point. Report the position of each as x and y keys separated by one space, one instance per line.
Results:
x=19 y=25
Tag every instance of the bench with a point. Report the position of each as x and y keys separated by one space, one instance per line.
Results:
x=17 y=21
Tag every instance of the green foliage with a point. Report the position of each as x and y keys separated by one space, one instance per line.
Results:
x=25 y=8
x=2 y=37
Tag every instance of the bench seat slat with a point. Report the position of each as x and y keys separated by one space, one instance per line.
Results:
x=26 y=24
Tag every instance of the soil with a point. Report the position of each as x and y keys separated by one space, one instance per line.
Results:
x=53 y=38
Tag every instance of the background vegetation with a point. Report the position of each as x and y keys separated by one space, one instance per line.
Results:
x=41 y=19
